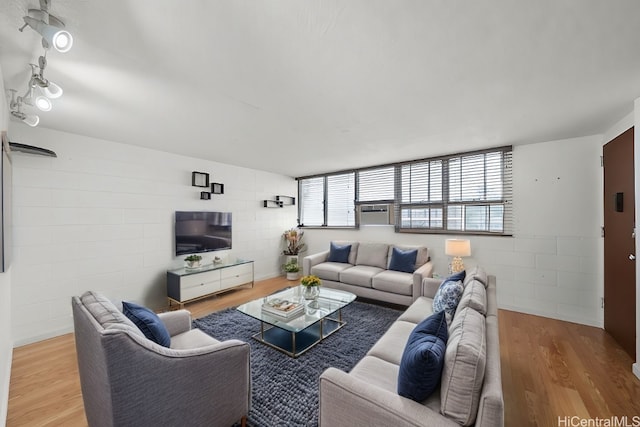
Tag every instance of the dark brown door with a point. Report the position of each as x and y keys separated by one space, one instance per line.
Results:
x=619 y=242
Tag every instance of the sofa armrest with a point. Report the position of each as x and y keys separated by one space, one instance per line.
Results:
x=426 y=270
x=430 y=287
x=177 y=322
x=311 y=260
x=349 y=401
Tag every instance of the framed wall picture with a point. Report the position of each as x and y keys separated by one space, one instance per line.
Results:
x=217 y=188
x=199 y=179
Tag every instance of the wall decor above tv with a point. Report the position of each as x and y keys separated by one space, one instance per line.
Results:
x=202 y=231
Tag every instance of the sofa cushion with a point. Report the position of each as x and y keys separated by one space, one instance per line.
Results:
x=377 y=372
x=339 y=253
x=391 y=345
x=404 y=261
x=421 y=308
x=105 y=313
x=422 y=256
x=393 y=281
x=354 y=249
x=464 y=367
x=474 y=296
x=423 y=358
x=360 y=275
x=329 y=270
x=478 y=274
x=373 y=254
x=148 y=322
x=447 y=298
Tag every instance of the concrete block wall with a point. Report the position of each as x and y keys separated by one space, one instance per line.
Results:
x=100 y=217
x=552 y=266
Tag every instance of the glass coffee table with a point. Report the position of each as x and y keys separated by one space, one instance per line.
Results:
x=294 y=336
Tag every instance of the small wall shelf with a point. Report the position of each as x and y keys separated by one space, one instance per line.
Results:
x=286 y=200
x=272 y=203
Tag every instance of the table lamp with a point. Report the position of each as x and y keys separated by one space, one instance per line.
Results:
x=457 y=248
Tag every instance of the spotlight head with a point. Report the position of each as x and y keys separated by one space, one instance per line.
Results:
x=60 y=39
x=43 y=103
x=52 y=90
x=29 y=119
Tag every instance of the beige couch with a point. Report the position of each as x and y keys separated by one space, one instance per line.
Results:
x=470 y=392
x=367 y=273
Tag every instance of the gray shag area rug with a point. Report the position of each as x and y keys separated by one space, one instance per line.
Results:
x=285 y=390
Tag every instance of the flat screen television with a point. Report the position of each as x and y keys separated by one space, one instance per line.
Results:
x=197 y=232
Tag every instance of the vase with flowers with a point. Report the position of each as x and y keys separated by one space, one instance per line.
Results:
x=310 y=287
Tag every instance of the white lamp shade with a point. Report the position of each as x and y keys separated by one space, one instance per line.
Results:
x=457 y=247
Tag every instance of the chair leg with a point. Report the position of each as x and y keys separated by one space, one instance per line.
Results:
x=243 y=421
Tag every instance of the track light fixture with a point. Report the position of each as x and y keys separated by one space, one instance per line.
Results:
x=15 y=105
x=49 y=27
x=41 y=91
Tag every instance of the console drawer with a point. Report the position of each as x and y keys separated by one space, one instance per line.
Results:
x=199 y=278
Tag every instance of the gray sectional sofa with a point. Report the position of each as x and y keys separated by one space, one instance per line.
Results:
x=367 y=272
x=470 y=390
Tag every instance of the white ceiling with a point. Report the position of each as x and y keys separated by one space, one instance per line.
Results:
x=301 y=87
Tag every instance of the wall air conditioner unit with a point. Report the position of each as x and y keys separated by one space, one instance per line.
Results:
x=375 y=214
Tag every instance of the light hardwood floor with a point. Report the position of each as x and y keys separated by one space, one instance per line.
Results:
x=550 y=369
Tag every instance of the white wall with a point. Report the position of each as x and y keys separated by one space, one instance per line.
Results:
x=6 y=340
x=553 y=264
x=100 y=217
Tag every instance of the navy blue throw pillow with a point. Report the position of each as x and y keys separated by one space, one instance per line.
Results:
x=148 y=322
x=404 y=261
x=423 y=358
x=339 y=253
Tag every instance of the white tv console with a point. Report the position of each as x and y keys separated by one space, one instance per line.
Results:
x=190 y=284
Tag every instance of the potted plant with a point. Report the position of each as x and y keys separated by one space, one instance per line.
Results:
x=310 y=287
x=193 y=261
x=291 y=268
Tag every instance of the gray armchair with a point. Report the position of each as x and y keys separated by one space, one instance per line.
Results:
x=128 y=380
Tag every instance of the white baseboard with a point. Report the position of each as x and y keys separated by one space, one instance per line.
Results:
x=51 y=334
x=636 y=370
x=580 y=321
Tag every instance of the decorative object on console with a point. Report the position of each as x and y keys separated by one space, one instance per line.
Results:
x=205 y=195
x=457 y=248
x=199 y=179
x=217 y=188
x=193 y=261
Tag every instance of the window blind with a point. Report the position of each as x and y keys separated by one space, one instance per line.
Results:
x=466 y=193
x=340 y=200
x=311 y=201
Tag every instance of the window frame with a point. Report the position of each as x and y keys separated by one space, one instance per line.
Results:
x=444 y=203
